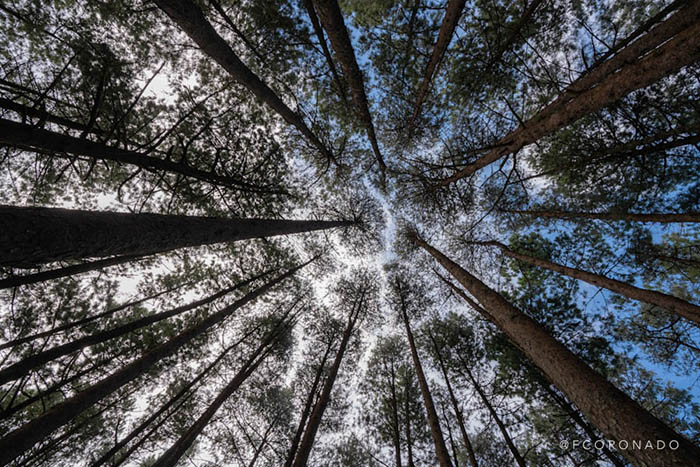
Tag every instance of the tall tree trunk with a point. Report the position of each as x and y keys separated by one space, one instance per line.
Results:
x=31 y=138
x=501 y=426
x=691 y=217
x=89 y=319
x=308 y=405
x=318 y=30
x=175 y=452
x=33 y=235
x=603 y=85
x=395 y=417
x=18 y=441
x=452 y=14
x=407 y=427
x=616 y=415
x=673 y=304
x=441 y=452
x=455 y=404
x=307 y=441
x=24 y=366
x=190 y=18
x=332 y=21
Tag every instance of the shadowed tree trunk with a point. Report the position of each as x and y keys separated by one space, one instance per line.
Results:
x=623 y=73
x=613 y=216
x=44 y=116
x=616 y=415
x=449 y=23
x=441 y=452
x=332 y=21
x=673 y=304
x=33 y=235
x=407 y=428
x=24 y=366
x=18 y=441
x=395 y=435
x=307 y=441
x=191 y=20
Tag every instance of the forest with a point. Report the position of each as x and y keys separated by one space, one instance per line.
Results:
x=368 y=233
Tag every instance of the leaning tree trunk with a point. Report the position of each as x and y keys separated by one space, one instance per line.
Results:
x=614 y=413
x=190 y=18
x=612 y=216
x=23 y=438
x=24 y=366
x=307 y=441
x=33 y=235
x=673 y=304
x=449 y=23
x=332 y=21
x=603 y=85
x=440 y=448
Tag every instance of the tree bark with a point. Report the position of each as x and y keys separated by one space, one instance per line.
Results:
x=307 y=441
x=31 y=138
x=615 y=414
x=441 y=452
x=33 y=235
x=18 y=441
x=673 y=304
x=449 y=23
x=603 y=85
x=190 y=18
x=332 y=21
x=612 y=216
x=23 y=367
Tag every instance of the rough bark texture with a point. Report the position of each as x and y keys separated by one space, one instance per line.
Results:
x=441 y=452
x=616 y=415
x=673 y=304
x=31 y=138
x=190 y=18
x=615 y=216
x=449 y=23
x=33 y=235
x=612 y=80
x=332 y=21
x=18 y=441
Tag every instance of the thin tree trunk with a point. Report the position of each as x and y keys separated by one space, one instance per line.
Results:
x=24 y=366
x=395 y=417
x=603 y=85
x=407 y=426
x=18 y=441
x=514 y=32
x=263 y=441
x=453 y=445
x=308 y=405
x=43 y=116
x=441 y=452
x=332 y=21
x=455 y=404
x=307 y=441
x=673 y=304
x=616 y=415
x=89 y=319
x=190 y=18
x=452 y=14
x=31 y=138
x=318 y=30
x=501 y=426
x=176 y=451
x=33 y=235
x=693 y=217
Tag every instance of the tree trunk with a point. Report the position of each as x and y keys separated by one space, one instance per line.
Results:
x=23 y=367
x=449 y=23
x=33 y=235
x=263 y=441
x=501 y=426
x=691 y=217
x=308 y=405
x=175 y=452
x=616 y=415
x=395 y=417
x=307 y=441
x=31 y=138
x=603 y=85
x=407 y=426
x=332 y=21
x=44 y=116
x=440 y=448
x=190 y=18
x=455 y=404
x=18 y=441
x=673 y=304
